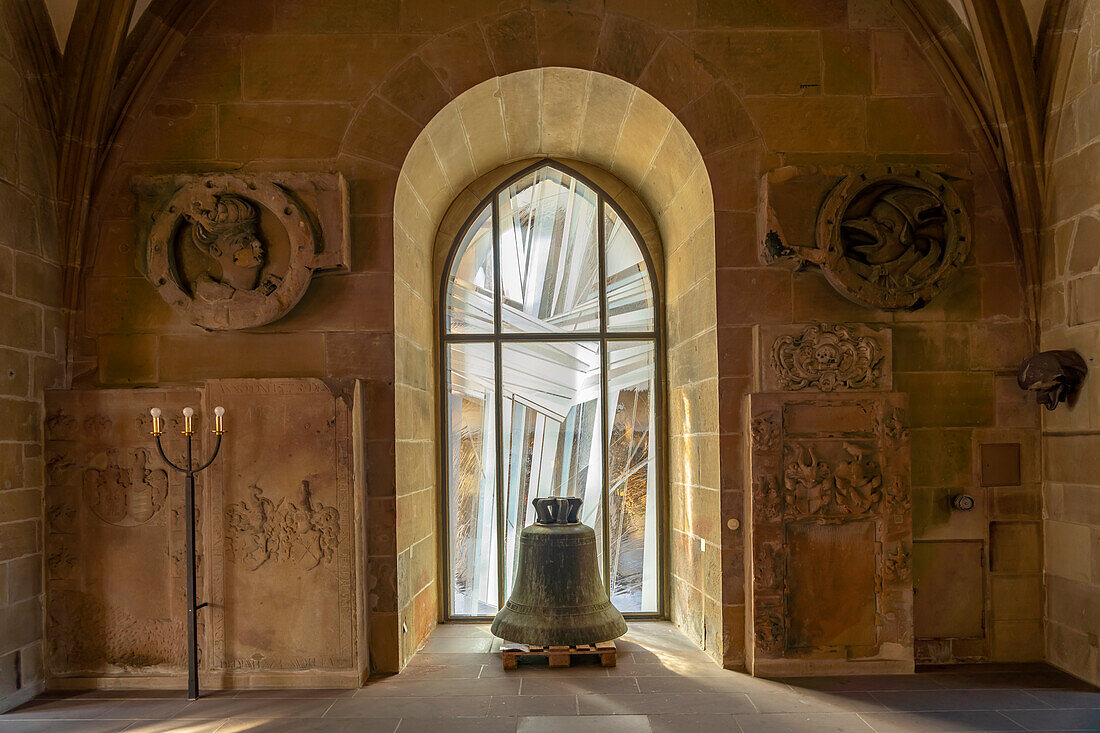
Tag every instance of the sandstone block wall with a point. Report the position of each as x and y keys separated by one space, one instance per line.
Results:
x=32 y=343
x=1071 y=320
x=342 y=86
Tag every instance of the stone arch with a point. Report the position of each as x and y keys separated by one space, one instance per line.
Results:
x=609 y=124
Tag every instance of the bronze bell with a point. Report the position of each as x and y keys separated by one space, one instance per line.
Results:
x=558 y=597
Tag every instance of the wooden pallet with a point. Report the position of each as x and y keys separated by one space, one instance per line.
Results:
x=559 y=656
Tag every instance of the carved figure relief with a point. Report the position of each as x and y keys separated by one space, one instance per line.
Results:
x=897 y=564
x=259 y=530
x=770 y=630
x=815 y=487
x=125 y=495
x=769 y=567
x=233 y=252
x=892 y=237
x=765 y=497
x=892 y=426
x=827 y=357
x=765 y=433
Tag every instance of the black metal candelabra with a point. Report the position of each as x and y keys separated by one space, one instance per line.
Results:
x=189 y=470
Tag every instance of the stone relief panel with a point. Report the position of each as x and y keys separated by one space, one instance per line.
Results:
x=233 y=251
x=830 y=534
x=824 y=357
x=890 y=237
x=115 y=597
x=282 y=578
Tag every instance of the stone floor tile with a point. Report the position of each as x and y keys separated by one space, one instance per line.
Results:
x=432 y=659
x=865 y=682
x=176 y=726
x=543 y=685
x=951 y=721
x=540 y=669
x=586 y=724
x=410 y=707
x=1050 y=679
x=443 y=672
x=802 y=723
x=903 y=700
x=728 y=682
x=293 y=694
x=1084 y=719
x=62 y=726
x=688 y=723
x=1069 y=698
x=397 y=687
x=458 y=644
x=516 y=706
x=665 y=669
x=308 y=725
x=665 y=704
x=459 y=725
x=800 y=701
x=451 y=630
x=256 y=708
x=65 y=709
x=149 y=709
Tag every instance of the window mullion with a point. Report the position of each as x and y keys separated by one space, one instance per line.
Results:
x=498 y=377
x=604 y=496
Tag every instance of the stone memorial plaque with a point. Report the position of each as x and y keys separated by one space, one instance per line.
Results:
x=830 y=534
x=282 y=575
x=114 y=534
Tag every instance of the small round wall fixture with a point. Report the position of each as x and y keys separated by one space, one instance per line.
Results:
x=892 y=237
x=230 y=252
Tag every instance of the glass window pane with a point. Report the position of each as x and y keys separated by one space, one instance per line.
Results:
x=552 y=433
x=632 y=459
x=471 y=478
x=629 y=291
x=549 y=256
x=472 y=282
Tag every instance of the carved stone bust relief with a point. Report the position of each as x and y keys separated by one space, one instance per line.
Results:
x=232 y=252
x=892 y=237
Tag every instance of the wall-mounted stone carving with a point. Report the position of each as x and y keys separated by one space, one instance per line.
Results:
x=274 y=543
x=828 y=357
x=282 y=581
x=114 y=596
x=125 y=491
x=1054 y=376
x=305 y=532
x=889 y=237
x=830 y=535
x=824 y=357
x=232 y=251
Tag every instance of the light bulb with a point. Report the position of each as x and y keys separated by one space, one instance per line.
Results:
x=155 y=412
x=219 y=410
x=188 y=412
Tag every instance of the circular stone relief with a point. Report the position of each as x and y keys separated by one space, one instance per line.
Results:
x=231 y=253
x=892 y=237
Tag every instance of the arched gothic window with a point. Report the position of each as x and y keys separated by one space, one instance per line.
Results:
x=550 y=329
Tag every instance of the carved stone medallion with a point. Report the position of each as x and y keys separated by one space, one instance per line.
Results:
x=892 y=237
x=827 y=357
x=232 y=252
